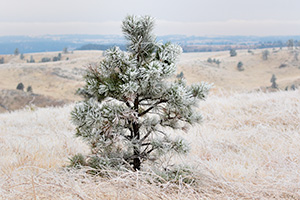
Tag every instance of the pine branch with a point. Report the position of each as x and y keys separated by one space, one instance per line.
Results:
x=151 y=107
x=145 y=137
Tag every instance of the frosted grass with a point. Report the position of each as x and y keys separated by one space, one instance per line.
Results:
x=246 y=148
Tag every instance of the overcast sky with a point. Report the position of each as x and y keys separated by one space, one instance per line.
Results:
x=188 y=17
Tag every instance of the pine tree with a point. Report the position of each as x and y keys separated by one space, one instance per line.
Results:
x=65 y=50
x=129 y=102
x=20 y=86
x=29 y=89
x=290 y=44
x=240 y=66
x=22 y=56
x=31 y=60
x=273 y=81
x=16 y=52
x=232 y=52
x=265 y=54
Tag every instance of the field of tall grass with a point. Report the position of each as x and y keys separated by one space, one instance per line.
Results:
x=246 y=148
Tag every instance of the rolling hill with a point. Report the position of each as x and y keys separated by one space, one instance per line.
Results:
x=246 y=148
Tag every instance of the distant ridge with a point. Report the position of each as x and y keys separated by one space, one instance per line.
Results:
x=101 y=47
x=48 y=43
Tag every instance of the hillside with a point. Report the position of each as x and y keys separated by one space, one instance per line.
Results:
x=56 y=81
x=257 y=73
x=59 y=80
x=246 y=148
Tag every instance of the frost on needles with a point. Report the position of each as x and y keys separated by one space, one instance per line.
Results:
x=130 y=101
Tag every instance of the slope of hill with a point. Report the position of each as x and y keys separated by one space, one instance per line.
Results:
x=246 y=148
x=16 y=99
x=60 y=80
x=57 y=80
x=257 y=73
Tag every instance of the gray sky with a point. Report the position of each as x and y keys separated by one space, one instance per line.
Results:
x=188 y=17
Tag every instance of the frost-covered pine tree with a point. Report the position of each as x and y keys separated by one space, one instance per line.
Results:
x=130 y=100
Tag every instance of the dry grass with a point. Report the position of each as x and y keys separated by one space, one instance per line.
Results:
x=247 y=148
x=257 y=73
x=61 y=79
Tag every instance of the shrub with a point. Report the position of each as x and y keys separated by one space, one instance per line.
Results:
x=57 y=58
x=65 y=50
x=29 y=89
x=180 y=75
x=16 y=52
x=232 y=52
x=20 y=86
x=46 y=59
x=2 y=60
x=290 y=44
x=129 y=100
x=265 y=54
x=31 y=60
x=218 y=62
x=273 y=81
x=21 y=56
x=240 y=66
x=283 y=65
x=293 y=87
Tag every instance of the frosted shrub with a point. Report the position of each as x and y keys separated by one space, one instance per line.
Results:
x=129 y=106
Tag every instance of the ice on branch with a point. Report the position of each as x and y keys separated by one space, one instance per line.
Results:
x=130 y=99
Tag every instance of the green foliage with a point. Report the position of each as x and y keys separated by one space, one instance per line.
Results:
x=175 y=174
x=180 y=75
x=16 y=52
x=21 y=56
x=29 y=89
x=240 y=66
x=130 y=101
x=65 y=50
x=31 y=60
x=265 y=54
x=57 y=58
x=77 y=161
x=20 y=86
x=217 y=61
x=46 y=59
x=232 y=52
x=273 y=81
x=290 y=43
x=293 y=87
x=2 y=60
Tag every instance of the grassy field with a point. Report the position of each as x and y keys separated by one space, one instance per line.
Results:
x=246 y=148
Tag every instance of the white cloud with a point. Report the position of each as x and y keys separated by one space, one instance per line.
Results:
x=230 y=27
x=39 y=28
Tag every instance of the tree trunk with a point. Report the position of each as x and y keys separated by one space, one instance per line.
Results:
x=136 y=138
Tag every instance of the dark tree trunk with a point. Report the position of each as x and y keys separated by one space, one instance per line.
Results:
x=136 y=137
